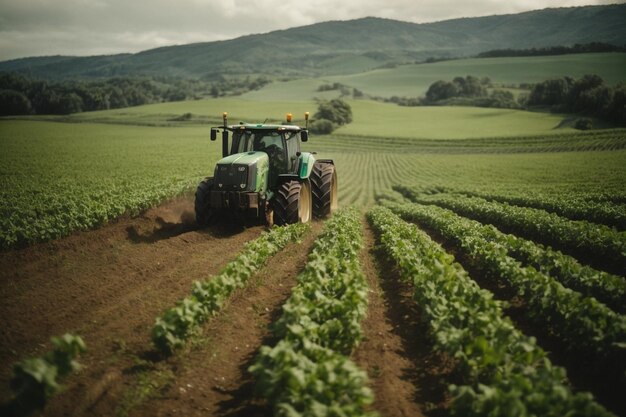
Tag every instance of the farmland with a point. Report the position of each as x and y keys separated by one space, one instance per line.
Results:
x=483 y=265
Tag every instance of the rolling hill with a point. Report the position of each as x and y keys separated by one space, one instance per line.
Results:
x=345 y=47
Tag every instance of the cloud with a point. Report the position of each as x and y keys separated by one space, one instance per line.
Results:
x=92 y=27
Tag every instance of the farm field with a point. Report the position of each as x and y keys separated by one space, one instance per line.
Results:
x=413 y=80
x=478 y=258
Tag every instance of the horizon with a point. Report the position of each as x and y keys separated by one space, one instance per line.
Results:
x=22 y=44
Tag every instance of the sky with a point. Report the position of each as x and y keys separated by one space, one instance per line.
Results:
x=96 y=27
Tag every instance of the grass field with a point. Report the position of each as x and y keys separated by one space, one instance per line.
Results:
x=414 y=80
x=371 y=118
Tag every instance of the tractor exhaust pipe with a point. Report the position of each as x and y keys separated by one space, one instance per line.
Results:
x=225 y=135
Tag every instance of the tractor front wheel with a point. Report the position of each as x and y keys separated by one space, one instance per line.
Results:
x=204 y=214
x=292 y=203
x=324 y=189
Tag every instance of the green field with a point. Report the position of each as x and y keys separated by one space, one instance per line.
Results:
x=59 y=177
x=62 y=173
x=414 y=80
x=371 y=118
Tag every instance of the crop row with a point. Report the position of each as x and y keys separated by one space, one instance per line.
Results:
x=581 y=323
x=601 y=212
x=607 y=288
x=590 y=242
x=307 y=373
x=504 y=369
x=35 y=380
x=178 y=323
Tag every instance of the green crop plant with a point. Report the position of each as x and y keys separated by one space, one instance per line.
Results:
x=35 y=380
x=177 y=324
x=506 y=372
x=307 y=373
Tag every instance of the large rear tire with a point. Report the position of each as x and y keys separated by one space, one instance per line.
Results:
x=204 y=214
x=324 y=189
x=292 y=203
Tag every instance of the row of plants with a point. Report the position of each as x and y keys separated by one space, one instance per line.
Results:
x=590 y=242
x=177 y=324
x=504 y=372
x=308 y=373
x=583 y=324
x=573 y=208
x=35 y=380
x=605 y=287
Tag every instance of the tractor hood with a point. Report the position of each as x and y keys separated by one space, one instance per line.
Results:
x=246 y=172
x=245 y=158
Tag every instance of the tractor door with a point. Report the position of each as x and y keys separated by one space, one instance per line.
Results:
x=292 y=142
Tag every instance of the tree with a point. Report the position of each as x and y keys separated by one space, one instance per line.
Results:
x=13 y=103
x=336 y=111
x=441 y=90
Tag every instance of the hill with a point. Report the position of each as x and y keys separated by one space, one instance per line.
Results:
x=344 y=47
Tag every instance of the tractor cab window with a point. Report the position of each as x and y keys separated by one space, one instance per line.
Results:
x=272 y=144
x=242 y=142
x=293 y=147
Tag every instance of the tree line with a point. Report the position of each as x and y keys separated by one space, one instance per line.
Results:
x=593 y=47
x=588 y=95
x=461 y=91
x=21 y=95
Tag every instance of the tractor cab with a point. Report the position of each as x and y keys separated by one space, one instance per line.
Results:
x=264 y=175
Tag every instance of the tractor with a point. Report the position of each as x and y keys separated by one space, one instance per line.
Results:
x=264 y=177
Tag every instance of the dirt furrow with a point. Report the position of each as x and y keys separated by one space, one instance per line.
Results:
x=212 y=377
x=108 y=285
x=407 y=377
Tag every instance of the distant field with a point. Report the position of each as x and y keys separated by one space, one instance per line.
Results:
x=58 y=177
x=389 y=120
x=370 y=118
x=414 y=80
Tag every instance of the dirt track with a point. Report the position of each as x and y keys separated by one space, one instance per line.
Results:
x=110 y=284
x=107 y=285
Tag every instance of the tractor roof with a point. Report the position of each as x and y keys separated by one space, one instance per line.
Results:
x=261 y=126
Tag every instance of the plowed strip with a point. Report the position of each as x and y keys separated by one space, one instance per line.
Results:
x=212 y=379
x=406 y=376
x=107 y=285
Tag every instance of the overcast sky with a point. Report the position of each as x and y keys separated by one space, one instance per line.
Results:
x=94 y=27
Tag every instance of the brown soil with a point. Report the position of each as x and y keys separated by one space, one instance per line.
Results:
x=108 y=285
x=407 y=377
x=213 y=380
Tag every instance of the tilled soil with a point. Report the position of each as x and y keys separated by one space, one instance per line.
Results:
x=405 y=373
x=107 y=285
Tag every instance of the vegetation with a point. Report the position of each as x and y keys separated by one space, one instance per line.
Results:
x=591 y=242
x=503 y=368
x=35 y=380
x=308 y=373
x=329 y=115
x=588 y=95
x=177 y=324
x=592 y=47
x=22 y=95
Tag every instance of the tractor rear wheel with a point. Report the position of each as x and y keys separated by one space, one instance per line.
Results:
x=292 y=203
x=204 y=214
x=324 y=189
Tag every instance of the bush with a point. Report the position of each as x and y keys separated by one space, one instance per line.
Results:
x=321 y=127
x=337 y=111
x=583 y=123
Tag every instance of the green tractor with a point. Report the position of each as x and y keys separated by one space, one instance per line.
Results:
x=263 y=177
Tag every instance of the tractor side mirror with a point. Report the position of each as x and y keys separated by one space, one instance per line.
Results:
x=304 y=135
x=213 y=134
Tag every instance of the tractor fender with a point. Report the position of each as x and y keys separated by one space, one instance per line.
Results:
x=305 y=165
